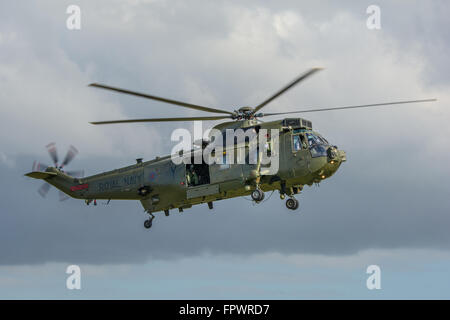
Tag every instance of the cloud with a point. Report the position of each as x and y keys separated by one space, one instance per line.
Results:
x=8 y=162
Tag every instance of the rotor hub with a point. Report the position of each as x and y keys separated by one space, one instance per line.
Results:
x=245 y=109
x=244 y=113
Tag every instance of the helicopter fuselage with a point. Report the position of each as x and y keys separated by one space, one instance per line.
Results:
x=304 y=156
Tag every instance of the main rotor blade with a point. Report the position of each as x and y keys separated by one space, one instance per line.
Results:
x=286 y=88
x=162 y=120
x=147 y=96
x=350 y=107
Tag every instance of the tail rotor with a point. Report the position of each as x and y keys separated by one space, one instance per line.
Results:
x=52 y=151
x=69 y=156
x=43 y=190
x=51 y=148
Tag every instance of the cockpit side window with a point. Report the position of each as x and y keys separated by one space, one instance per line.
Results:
x=296 y=143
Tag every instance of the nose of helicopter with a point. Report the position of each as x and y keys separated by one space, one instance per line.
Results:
x=342 y=155
x=335 y=158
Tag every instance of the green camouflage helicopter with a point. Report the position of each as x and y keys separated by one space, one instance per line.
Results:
x=304 y=158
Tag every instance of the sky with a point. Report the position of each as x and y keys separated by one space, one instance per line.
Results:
x=388 y=205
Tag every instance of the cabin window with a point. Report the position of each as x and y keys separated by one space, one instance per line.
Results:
x=225 y=164
x=197 y=174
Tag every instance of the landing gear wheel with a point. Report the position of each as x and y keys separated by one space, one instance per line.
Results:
x=148 y=223
x=292 y=203
x=257 y=195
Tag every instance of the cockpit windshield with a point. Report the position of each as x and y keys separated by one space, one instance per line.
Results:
x=317 y=145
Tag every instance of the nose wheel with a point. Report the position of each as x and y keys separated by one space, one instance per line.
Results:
x=292 y=203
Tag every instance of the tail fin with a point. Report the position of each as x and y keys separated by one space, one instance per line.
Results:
x=57 y=179
x=41 y=175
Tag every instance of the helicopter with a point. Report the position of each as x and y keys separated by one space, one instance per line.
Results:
x=304 y=157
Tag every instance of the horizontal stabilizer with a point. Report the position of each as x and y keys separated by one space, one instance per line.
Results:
x=40 y=175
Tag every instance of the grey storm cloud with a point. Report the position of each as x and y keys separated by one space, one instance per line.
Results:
x=391 y=193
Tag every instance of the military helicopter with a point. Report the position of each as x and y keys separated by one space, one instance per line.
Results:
x=305 y=157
